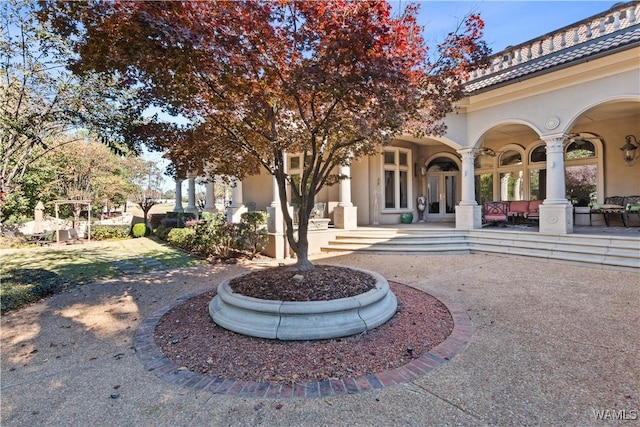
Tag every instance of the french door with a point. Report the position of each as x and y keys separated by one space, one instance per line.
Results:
x=442 y=196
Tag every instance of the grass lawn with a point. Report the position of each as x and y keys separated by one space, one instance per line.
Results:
x=31 y=273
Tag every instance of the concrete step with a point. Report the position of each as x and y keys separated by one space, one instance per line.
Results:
x=611 y=251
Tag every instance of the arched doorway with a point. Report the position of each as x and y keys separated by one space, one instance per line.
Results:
x=442 y=188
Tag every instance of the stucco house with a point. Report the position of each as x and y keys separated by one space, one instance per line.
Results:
x=547 y=120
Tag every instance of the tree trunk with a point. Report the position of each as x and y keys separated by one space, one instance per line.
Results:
x=302 y=247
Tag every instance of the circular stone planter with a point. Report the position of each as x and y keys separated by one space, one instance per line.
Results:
x=303 y=320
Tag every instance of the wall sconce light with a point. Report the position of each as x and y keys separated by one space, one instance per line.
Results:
x=630 y=149
x=423 y=171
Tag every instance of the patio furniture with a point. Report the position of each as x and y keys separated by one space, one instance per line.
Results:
x=40 y=239
x=632 y=206
x=612 y=205
x=518 y=209
x=533 y=212
x=496 y=212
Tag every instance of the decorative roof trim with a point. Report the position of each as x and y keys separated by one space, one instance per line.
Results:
x=602 y=34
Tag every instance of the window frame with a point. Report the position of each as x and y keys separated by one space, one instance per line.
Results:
x=397 y=168
x=519 y=169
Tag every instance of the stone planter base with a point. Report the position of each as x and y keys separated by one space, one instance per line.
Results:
x=305 y=320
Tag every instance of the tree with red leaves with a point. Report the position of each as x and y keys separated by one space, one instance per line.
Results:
x=331 y=80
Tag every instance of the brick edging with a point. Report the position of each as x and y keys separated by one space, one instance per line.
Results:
x=155 y=361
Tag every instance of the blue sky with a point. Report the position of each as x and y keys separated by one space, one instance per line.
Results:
x=506 y=22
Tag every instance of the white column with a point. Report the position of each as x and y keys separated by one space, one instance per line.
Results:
x=556 y=212
x=276 y=193
x=210 y=202
x=556 y=187
x=178 y=207
x=275 y=226
x=468 y=212
x=191 y=193
x=345 y=215
x=275 y=217
x=237 y=207
x=236 y=193
x=344 y=191
x=468 y=196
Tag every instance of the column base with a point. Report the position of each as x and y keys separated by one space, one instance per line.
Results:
x=469 y=217
x=556 y=219
x=192 y=209
x=345 y=217
x=275 y=220
x=234 y=213
x=277 y=246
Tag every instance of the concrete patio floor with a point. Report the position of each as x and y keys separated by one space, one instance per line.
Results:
x=553 y=344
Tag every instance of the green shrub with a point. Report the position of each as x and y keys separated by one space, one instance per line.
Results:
x=215 y=236
x=162 y=232
x=139 y=230
x=253 y=232
x=106 y=232
x=181 y=238
x=226 y=240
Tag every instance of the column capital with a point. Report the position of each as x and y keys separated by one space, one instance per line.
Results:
x=467 y=153
x=555 y=142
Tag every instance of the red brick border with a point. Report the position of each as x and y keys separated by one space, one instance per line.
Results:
x=155 y=361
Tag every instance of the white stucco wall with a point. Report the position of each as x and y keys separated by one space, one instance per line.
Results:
x=564 y=94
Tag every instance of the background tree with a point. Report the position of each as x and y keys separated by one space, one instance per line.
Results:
x=147 y=180
x=34 y=186
x=331 y=80
x=87 y=170
x=41 y=101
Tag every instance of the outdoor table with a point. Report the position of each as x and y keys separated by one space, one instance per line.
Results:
x=39 y=238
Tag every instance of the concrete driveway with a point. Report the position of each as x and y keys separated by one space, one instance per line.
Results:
x=553 y=344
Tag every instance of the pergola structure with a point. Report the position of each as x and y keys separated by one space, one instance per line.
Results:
x=57 y=203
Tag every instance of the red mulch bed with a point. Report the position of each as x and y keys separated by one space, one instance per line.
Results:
x=324 y=282
x=189 y=338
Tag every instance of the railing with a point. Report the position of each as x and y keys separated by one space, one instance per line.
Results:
x=619 y=17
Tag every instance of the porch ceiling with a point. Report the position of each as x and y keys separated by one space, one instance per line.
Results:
x=609 y=111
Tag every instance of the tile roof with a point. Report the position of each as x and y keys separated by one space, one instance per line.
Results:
x=623 y=39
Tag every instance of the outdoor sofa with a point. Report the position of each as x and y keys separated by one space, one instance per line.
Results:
x=501 y=212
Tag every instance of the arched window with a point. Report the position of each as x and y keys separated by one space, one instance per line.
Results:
x=538 y=173
x=511 y=174
x=580 y=149
x=442 y=164
x=484 y=168
x=538 y=154
x=510 y=158
x=581 y=168
x=522 y=173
